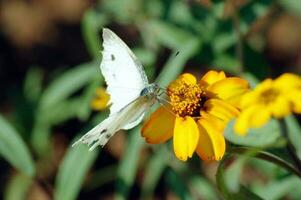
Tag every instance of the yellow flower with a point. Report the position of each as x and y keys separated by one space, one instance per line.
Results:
x=271 y=98
x=201 y=111
x=101 y=99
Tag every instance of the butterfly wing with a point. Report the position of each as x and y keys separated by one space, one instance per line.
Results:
x=125 y=78
x=122 y=71
x=100 y=134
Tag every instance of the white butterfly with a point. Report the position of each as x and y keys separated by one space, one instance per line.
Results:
x=131 y=95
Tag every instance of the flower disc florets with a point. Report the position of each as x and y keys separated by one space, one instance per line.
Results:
x=185 y=95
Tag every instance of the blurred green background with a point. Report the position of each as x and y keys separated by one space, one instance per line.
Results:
x=49 y=71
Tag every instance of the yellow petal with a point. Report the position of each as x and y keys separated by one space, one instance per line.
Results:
x=186 y=78
x=211 y=144
x=186 y=137
x=228 y=89
x=252 y=117
x=100 y=102
x=159 y=127
x=218 y=123
x=288 y=81
x=295 y=98
x=280 y=107
x=211 y=77
x=220 y=109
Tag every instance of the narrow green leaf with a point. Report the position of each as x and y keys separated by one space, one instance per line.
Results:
x=91 y=28
x=14 y=150
x=72 y=172
x=17 y=187
x=294 y=132
x=176 y=64
x=177 y=185
x=169 y=35
x=129 y=164
x=154 y=170
x=203 y=188
x=33 y=84
x=66 y=84
x=243 y=192
x=278 y=189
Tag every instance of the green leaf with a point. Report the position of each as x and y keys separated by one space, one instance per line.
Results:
x=89 y=93
x=153 y=172
x=33 y=84
x=177 y=185
x=72 y=172
x=261 y=137
x=129 y=164
x=203 y=188
x=294 y=133
x=169 y=35
x=91 y=26
x=14 y=150
x=66 y=84
x=17 y=187
x=176 y=64
x=278 y=189
x=243 y=192
x=292 y=5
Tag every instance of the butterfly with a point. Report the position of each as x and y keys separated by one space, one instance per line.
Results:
x=131 y=95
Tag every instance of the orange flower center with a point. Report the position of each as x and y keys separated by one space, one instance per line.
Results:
x=269 y=95
x=185 y=96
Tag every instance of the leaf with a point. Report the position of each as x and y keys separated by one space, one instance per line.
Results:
x=177 y=185
x=72 y=172
x=169 y=35
x=294 y=133
x=14 y=150
x=129 y=164
x=261 y=137
x=278 y=189
x=66 y=84
x=17 y=187
x=203 y=188
x=154 y=170
x=292 y=5
x=243 y=192
x=33 y=84
x=91 y=26
x=175 y=65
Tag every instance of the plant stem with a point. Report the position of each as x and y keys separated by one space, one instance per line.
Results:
x=267 y=157
x=289 y=146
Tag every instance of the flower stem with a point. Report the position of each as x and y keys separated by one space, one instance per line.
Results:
x=289 y=146
x=268 y=157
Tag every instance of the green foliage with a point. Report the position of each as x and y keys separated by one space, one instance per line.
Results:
x=166 y=36
x=72 y=171
x=14 y=150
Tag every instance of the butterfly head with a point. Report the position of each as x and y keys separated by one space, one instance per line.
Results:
x=150 y=91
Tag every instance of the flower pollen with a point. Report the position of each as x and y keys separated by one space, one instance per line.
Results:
x=185 y=95
x=269 y=95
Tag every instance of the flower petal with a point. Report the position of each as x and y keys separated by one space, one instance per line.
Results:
x=288 y=81
x=218 y=123
x=229 y=89
x=280 y=107
x=249 y=118
x=212 y=143
x=186 y=137
x=295 y=98
x=100 y=102
x=159 y=127
x=211 y=77
x=220 y=109
x=186 y=78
